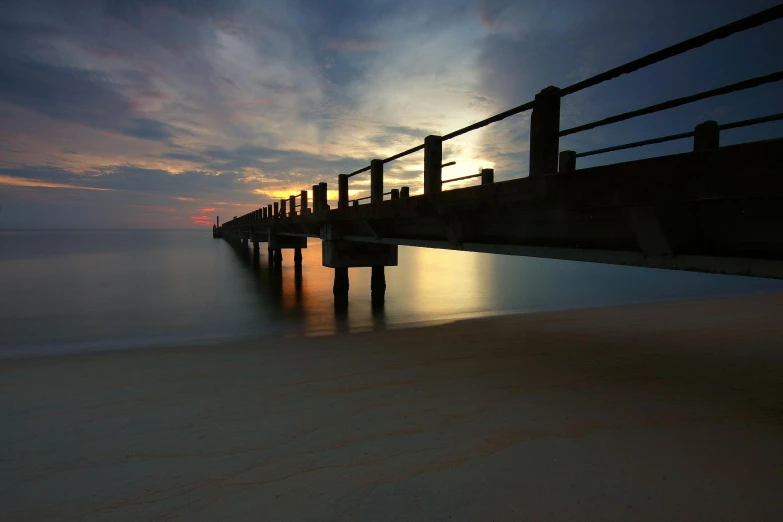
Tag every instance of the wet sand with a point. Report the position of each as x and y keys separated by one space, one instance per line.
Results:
x=670 y=411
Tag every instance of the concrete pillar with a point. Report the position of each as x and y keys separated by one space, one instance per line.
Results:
x=487 y=176
x=298 y=257
x=292 y=206
x=405 y=192
x=378 y=286
x=279 y=257
x=303 y=203
x=316 y=199
x=544 y=129
x=433 y=159
x=706 y=136
x=340 y=288
x=395 y=193
x=274 y=206
x=342 y=191
x=322 y=194
x=567 y=161
x=283 y=212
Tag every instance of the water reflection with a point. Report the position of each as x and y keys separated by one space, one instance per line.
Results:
x=438 y=285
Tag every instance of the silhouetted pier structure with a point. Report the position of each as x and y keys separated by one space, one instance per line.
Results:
x=715 y=209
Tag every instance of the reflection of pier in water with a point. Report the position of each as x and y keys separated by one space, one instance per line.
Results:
x=714 y=209
x=285 y=289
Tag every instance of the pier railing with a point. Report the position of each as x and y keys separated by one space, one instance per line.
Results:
x=545 y=133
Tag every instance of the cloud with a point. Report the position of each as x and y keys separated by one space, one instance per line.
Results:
x=353 y=45
x=75 y=95
x=216 y=105
x=14 y=181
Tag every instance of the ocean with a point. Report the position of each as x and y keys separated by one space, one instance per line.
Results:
x=69 y=291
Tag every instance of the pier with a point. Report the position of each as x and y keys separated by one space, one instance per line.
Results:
x=714 y=209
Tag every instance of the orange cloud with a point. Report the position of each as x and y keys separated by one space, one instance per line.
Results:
x=13 y=181
x=201 y=220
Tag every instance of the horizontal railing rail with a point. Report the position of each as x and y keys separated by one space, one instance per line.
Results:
x=734 y=87
x=682 y=135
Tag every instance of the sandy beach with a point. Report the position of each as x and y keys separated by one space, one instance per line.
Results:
x=668 y=411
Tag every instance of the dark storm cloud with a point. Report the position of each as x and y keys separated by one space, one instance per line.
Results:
x=77 y=96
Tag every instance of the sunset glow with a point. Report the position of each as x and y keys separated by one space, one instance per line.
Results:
x=225 y=107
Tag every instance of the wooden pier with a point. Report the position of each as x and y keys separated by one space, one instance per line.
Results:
x=714 y=209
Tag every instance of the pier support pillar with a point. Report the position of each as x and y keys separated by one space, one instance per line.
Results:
x=378 y=286
x=279 y=257
x=340 y=288
x=298 y=257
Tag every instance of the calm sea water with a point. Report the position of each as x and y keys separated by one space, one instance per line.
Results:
x=68 y=291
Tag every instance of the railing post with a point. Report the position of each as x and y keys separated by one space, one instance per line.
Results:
x=395 y=193
x=275 y=207
x=433 y=159
x=376 y=181
x=342 y=191
x=269 y=211
x=283 y=213
x=567 y=161
x=323 y=193
x=303 y=204
x=355 y=202
x=706 y=136
x=378 y=277
x=316 y=199
x=405 y=192
x=292 y=206
x=544 y=129
x=487 y=176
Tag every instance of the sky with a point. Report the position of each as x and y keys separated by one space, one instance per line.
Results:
x=168 y=113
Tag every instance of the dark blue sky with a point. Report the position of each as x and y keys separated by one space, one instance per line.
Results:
x=164 y=113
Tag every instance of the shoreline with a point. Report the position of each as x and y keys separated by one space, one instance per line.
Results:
x=652 y=411
x=35 y=351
